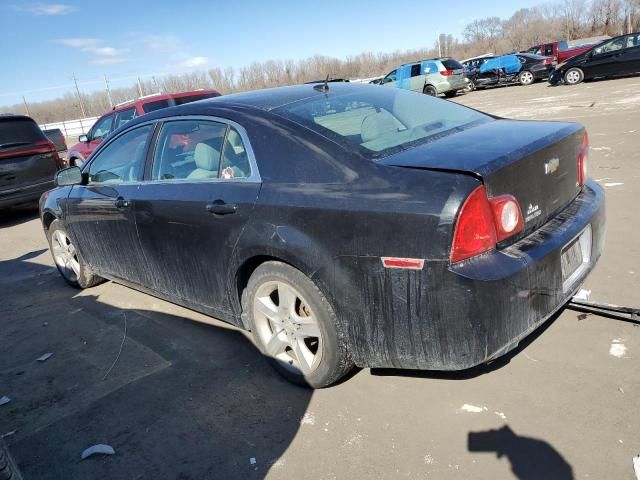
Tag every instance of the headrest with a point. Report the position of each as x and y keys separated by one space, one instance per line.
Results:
x=206 y=157
x=377 y=124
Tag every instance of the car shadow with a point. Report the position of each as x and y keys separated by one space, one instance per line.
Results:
x=530 y=458
x=474 y=371
x=183 y=399
x=18 y=215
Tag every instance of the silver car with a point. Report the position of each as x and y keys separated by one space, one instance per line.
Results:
x=433 y=77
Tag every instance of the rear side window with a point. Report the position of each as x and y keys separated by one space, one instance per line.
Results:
x=189 y=149
x=18 y=131
x=235 y=161
x=451 y=64
x=430 y=67
x=377 y=122
x=124 y=116
x=122 y=160
x=153 y=106
x=194 y=98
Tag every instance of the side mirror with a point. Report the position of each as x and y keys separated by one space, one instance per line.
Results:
x=83 y=138
x=68 y=176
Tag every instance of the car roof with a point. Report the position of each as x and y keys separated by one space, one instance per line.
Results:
x=436 y=59
x=14 y=116
x=271 y=98
x=155 y=97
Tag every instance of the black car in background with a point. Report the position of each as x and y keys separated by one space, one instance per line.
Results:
x=616 y=57
x=531 y=68
x=341 y=224
x=57 y=137
x=28 y=161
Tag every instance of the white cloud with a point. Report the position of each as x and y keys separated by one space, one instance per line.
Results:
x=195 y=62
x=101 y=54
x=49 y=9
x=79 y=42
x=163 y=43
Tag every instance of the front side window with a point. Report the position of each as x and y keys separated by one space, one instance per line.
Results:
x=611 y=46
x=124 y=116
x=189 y=149
x=391 y=77
x=415 y=70
x=633 y=40
x=377 y=122
x=102 y=128
x=122 y=160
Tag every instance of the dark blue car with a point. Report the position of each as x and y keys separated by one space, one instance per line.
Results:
x=341 y=224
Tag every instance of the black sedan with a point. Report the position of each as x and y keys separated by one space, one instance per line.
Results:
x=522 y=68
x=341 y=224
x=616 y=57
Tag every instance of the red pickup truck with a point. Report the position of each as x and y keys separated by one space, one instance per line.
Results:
x=561 y=51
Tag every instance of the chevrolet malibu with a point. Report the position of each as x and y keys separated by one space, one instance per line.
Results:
x=342 y=225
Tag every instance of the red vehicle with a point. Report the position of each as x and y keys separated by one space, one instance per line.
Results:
x=125 y=112
x=561 y=51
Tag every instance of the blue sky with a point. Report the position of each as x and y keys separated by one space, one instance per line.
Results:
x=43 y=43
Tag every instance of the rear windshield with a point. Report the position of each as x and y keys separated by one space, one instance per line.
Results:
x=451 y=64
x=194 y=98
x=153 y=106
x=377 y=121
x=56 y=136
x=18 y=131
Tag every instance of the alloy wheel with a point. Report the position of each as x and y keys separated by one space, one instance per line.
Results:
x=573 y=77
x=526 y=78
x=287 y=327
x=65 y=255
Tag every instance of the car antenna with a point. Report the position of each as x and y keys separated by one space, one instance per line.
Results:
x=324 y=87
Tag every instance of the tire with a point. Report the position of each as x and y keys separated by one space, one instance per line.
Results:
x=470 y=86
x=75 y=162
x=291 y=319
x=526 y=78
x=573 y=76
x=451 y=93
x=68 y=260
x=429 y=90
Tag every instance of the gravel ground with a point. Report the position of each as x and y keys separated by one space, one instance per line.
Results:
x=190 y=398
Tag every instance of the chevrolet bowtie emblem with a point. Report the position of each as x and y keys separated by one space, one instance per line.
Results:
x=551 y=166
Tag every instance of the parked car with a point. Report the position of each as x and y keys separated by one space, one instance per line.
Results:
x=28 y=161
x=345 y=225
x=126 y=112
x=561 y=51
x=435 y=76
x=522 y=68
x=57 y=137
x=615 y=57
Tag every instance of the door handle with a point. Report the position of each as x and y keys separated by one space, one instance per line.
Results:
x=220 y=208
x=121 y=203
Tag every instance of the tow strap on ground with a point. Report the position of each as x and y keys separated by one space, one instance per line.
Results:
x=626 y=314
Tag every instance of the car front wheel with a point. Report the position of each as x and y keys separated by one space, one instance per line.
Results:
x=68 y=260
x=573 y=76
x=295 y=327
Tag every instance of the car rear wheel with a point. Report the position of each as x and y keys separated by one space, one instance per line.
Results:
x=470 y=86
x=68 y=260
x=429 y=90
x=573 y=76
x=295 y=327
x=526 y=78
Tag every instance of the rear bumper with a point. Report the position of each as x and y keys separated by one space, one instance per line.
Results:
x=28 y=194
x=448 y=317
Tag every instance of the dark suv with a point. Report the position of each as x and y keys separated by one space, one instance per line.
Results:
x=126 y=112
x=28 y=161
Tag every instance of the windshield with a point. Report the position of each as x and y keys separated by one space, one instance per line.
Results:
x=380 y=121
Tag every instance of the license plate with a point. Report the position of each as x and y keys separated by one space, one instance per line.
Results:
x=575 y=257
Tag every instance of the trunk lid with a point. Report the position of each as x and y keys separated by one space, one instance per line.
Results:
x=537 y=162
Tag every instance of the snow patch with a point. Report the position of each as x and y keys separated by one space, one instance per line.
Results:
x=617 y=349
x=473 y=409
x=308 y=419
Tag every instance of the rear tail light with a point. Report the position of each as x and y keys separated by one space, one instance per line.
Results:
x=45 y=146
x=547 y=61
x=483 y=222
x=447 y=73
x=583 y=160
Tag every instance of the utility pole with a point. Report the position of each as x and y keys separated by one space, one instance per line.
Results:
x=106 y=81
x=439 y=46
x=140 y=91
x=26 y=106
x=75 y=81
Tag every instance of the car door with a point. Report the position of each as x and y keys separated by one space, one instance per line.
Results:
x=416 y=80
x=631 y=54
x=101 y=129
x=606 y=59
x=200 y=191
x=99 y=214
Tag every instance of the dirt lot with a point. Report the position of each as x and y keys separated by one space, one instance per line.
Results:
x=189 y=399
